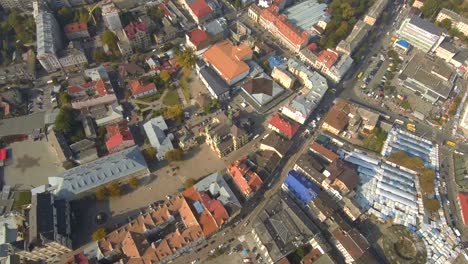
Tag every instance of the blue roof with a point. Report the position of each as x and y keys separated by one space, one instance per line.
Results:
x=274 y=61
x=403 y=43
x=300 y=187
x=198 y=207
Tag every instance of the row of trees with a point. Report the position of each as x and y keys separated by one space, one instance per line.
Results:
x=16 y=29
x=454 y=32
x=431 y=8
x=114 y=189
x=345 y=14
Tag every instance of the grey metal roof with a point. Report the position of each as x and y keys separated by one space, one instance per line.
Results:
x=216 y=185
x=216 y=26
x=306 y=14
x=217 y=84
x=154 y=129
x=425 y=25
x=86 y=177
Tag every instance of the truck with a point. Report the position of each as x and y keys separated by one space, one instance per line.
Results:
x=450 y=143
x=411 y=127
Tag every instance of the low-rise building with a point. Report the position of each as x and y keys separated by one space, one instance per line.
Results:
x=119 y=137
x=324 y=152
x=299 y=187
x=283 y=126
x=83 y=180
x=308 y=166
x=282 y=216
x=351 y=243
x=139 y=89
x=421 y=33
x=229 y=60
x=168 y=32
x=106 y=114
x=276 y=143
x=432 y=78
x=283 y=77
x=446 y=51
x=84 y=151
x=73 y=58
x=246 y=180
x=239 y=31
x=341 y=177
x=216 y=85
x=224 y=136
x=137 y=34
x=197 y=39
x=349 y=45
x=155 y=130
x=458 y=21
x=200 y=10
x=261 y=90
x=375 y=11
x=76 y=30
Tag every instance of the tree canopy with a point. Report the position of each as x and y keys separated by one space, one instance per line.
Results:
x=174 y=112
x=16 y=29
x=155 y=13
x=431 y=8
x=186 y=58
x=99 y=233
x=110 y=39
x=173 y=155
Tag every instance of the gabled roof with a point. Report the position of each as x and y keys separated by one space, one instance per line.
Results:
x=246 y=180
x=154 y=129
x=197 y=36
x=228 y=59
x=262 y=88
x=327 y=57
x=118 y=134
x=200 y=8
x=75 y=27
x=138 y=87
x=285 y=127
x=319 y=149
x=134 y=27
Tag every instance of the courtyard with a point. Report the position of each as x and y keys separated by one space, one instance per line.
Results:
x=29 y=164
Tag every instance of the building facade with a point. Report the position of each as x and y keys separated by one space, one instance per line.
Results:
x=49 y=41
x=421 y=34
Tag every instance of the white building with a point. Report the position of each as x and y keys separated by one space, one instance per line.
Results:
x=49 y=41
x=110 y=14
x=155 y=131
x=81 y=180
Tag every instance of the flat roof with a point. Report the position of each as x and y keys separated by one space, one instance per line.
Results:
x=306 y=14
x=422 y=69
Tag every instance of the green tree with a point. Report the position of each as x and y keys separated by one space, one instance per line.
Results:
x=432 y=205
x=149 y=153
x=99 y=55
x=101 y=193
x=207 y=109
x=111 y=40
x=64 y=99
x=65 y=120
x=446 y=23
x=114 y=189
x=155 y=14
x=186 y=58
x=342 y=29
x=99 y=233
x=66 y=15
x=430 y=8
x=165 y=76
x=215 y=104
x=133 y=182
x=174 y=155
x=174 y=112
x=189 y=183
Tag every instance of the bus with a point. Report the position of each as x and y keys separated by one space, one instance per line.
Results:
x=411 y=127
x=359 y=75
x=450 y=143
x=399 y=122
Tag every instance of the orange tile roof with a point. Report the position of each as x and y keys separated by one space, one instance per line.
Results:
x=337 y=118
x=75 y=27
x=208 y=223
x=328 y=154
x=327 y=57
x=228 y=59
x=216 y=208
x=246 y=180
x=191 y=194
x=187 y=215
x=138 y=88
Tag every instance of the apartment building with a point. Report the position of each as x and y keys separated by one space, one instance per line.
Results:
x=48 y=39
x=458 y=21
x=421 y=34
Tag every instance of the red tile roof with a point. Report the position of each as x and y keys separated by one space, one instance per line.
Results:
x=3 y=154
x=138 y=88
x=118 y=135
x=285 y=127
x=134 y=27
x=215 y=207
x=288 y=30
x=200 y=8
x=208 y=223
x=197 y=36
x=463 y=200
x=75 y=27
x=246 y=180
x=327 y=57
x=82 y=87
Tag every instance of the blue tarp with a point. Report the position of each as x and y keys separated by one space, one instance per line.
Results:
x=274 y=61
x=403 y=43
x=198 y=207
x=300 y=187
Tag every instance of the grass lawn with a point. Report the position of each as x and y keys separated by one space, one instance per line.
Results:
x=22 y=198
x=171 y=98
x=152 y=97
x=186 y=92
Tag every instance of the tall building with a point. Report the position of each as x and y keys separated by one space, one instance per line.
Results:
x=421 y=34
x=458 y=21
x=49 y=41
x=110 y=13
x=16 y=4
x=137 y=35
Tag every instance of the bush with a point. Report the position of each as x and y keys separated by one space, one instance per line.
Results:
x=102 y=193
x=133 y=182
x=189 y=183
x=174 y=155
x=114 y=189
x=99 y=233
